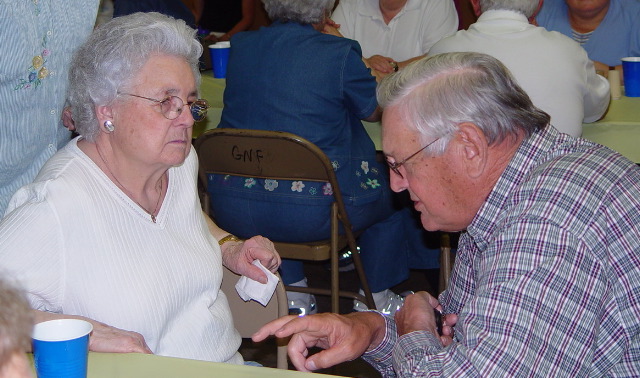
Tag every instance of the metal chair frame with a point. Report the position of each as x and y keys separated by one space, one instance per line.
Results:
x=285 y=156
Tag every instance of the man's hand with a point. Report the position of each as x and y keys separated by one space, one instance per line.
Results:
x=603 y=69
x=332 y=30
x=380 y=63
x=448 y=322
x=417 y=314
x=344 y=337
x=239 y=256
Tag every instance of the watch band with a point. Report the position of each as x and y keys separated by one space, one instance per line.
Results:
x=228 y=238
x=394 y=65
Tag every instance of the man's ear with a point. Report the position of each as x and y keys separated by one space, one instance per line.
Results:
x=474 y=149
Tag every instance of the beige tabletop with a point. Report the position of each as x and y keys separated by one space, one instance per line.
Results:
x=619 y=129
x=116 y=365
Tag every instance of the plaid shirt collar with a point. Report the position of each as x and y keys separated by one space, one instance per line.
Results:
x=530 y=154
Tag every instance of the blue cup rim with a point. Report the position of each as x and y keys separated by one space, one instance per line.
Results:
x=221 y=45
x=61 y=330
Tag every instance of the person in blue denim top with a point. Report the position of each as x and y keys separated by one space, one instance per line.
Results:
x=607 y=29
x=291 y=77
x=37 y=39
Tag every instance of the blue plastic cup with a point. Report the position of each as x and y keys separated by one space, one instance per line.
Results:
x=631 y=69
x=219 y=58
x=61 y=348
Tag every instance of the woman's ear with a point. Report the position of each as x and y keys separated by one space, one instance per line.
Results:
x=474 y=149
x=104 y=113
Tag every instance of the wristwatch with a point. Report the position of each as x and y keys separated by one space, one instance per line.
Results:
x=394 y=65
x=228 y=238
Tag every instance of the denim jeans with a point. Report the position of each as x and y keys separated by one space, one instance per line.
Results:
x=389 y=232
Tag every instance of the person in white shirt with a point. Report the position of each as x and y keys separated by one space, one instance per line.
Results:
x=111 y=230
x=554 y=70
x=393 y=33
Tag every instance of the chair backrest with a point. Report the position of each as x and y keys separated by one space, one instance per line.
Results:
x=283 y=156
x=267 y=155
x=264 y=154
x=249 y=316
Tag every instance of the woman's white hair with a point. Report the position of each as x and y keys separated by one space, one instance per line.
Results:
x=300 y=11
x=114 y=54
x=438 y=93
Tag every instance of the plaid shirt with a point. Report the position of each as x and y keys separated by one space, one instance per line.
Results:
x=547 y=276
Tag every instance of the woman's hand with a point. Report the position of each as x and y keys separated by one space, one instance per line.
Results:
x=344 y=337
x=239 y=256
x=109 y=339
x=104 y=338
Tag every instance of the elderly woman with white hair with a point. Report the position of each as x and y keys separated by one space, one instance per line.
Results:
x=111 y=230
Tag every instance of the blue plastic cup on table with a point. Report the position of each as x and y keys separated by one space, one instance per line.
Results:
x=219 y=58
x=61 y=348
x=631 y=73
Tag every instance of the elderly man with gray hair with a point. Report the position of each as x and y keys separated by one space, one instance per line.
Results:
x=553 y=69
x=547 y=274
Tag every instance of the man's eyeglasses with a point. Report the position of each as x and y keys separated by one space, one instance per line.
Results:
x=395 y=167
x=171 y=107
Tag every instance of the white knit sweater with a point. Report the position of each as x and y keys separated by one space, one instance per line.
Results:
x=80 y=246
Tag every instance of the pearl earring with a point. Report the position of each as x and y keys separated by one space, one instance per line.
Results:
x=109 y=126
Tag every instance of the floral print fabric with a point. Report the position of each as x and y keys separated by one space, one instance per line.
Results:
x=369 y=179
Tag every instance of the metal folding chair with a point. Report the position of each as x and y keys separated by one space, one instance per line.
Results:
x=285 y=156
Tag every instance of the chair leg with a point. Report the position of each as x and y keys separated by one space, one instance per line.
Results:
x=283 y=309
x=445 y=261
x=281 y=355
x=357 y=262
x=335 y=291
x=335 y=279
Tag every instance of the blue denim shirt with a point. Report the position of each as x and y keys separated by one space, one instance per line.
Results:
x=290 y=77
x=37 y=39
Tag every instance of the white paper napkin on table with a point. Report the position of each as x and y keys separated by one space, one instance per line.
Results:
x=251 y=289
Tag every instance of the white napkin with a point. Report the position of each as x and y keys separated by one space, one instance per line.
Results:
x=251 y=289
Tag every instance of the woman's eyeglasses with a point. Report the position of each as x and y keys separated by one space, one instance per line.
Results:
x=171 y=107
x=395 y=166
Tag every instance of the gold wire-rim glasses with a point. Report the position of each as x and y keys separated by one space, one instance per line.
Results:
x=171 y=106
x=395 y=166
